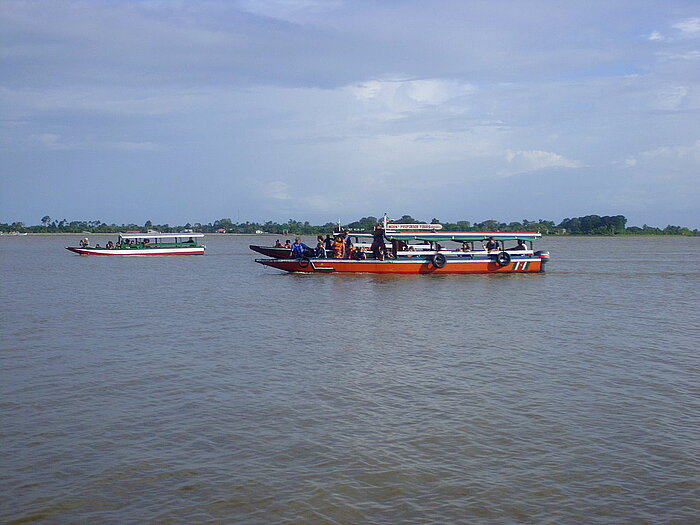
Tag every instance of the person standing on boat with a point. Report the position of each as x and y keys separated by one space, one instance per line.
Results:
x=491 y=245
x=299 y=249
x=339 y=247
x=378 y=247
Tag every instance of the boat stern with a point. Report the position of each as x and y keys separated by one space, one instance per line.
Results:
x=544 y=258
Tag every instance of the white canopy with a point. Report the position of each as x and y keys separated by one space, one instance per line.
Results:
x=160 y=235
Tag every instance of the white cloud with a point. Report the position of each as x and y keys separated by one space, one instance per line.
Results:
x=55 y=142
x=291 y=10
x=688 y=55
x=403 y=95
x=533 y=160
x=671 y=97
x=689 y=28
x=275 y=189
x=311 y=98
x=683 y=30
x=689 y=152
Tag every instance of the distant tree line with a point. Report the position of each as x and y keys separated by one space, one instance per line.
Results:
x=587 y=225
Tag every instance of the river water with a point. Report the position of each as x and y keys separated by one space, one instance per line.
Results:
x=214 y=390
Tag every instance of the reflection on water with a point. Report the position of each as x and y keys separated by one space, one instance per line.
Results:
x=210 y=389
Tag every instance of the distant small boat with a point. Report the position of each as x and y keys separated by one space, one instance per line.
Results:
x=14 y=234
x=136 y=244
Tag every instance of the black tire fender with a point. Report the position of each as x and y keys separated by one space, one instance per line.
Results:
x=304 y=262
x=503 y=259
x=439 y=260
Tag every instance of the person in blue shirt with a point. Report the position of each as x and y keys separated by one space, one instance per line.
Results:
x=491 y=245
x=299 y=249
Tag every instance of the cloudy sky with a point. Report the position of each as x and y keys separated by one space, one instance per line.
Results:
x=177 y=111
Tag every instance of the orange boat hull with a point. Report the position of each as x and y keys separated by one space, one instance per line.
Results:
x=405 y=266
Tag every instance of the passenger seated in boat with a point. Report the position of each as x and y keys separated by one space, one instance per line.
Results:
x=110 y=245
x=190 y=241
x=466 y=247
x=349 y=247
x=97 y=245
x=491 y=245
x=84 y=242
x=288 y=244
x=520 y=246
x=320 y=247
x=359 y=254
x=411 y=249
x=299 y=249
x=278 y=244
x=328 y=242
x=338 y=247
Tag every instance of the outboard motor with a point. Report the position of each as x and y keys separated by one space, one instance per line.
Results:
x=544 y=257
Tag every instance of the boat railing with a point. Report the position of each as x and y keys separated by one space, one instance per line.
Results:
x=459 y=253
x=140 y=245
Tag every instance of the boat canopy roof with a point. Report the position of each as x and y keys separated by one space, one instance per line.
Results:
x=456 y=236
x=160 y=235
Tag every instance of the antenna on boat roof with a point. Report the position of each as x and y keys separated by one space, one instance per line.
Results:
x=385 y=219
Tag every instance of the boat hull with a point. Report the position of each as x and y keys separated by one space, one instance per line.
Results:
x=532 y=264
x=131 y=252
x=271 y=251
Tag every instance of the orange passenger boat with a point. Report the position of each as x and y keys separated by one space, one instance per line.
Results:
x=422 y=252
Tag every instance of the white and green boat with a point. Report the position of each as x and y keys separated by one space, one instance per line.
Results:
x=137 y=244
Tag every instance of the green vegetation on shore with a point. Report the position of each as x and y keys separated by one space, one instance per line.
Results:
x=587 y=225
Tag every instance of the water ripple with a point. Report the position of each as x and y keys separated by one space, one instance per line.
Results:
x=242 y=395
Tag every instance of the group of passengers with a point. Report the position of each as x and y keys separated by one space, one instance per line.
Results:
x=85 y=243
x=338 y=247
x=341 y=247
x=127 y=243
x=491 y=244
x=287 y=244
x=112 y=246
